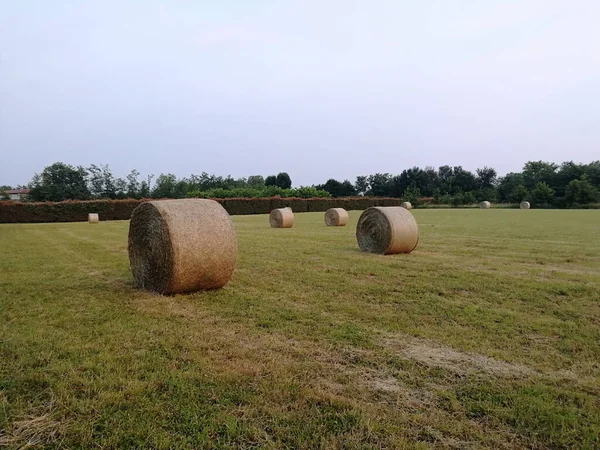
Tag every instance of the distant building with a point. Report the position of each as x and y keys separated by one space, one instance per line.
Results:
x=16 y=194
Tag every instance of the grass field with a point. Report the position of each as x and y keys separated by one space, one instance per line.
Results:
x=487 y=336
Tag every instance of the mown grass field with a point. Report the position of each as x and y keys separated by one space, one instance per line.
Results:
x=487 y=336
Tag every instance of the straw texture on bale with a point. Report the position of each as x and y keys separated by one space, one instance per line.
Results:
x=178 y=246
x=281 y=218
x=525 y=205
x=406 y=205
x=336 y=217
x=387 y=230
x=485 y=205
x=93 y=218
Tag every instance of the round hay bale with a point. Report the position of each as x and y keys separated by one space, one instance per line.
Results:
x=281 y=218
x=93 y=218
x=336 y=217
x=387 y=230
x=485 y=205
x=524 y=205
x=406 y=205
x=178 y=246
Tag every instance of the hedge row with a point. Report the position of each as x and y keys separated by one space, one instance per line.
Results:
x=77 y=211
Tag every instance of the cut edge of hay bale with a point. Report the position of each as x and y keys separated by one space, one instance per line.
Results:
x=93 y=218
x=485 y=205
x=525 y=205
x=179 y=246
x=406 y=205
x=281 y=218
x=387 y=230
x=336 y=217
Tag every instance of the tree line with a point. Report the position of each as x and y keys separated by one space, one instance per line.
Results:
x=541 y=183
x=60 y=181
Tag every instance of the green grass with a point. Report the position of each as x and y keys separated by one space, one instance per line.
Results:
x=487 y=336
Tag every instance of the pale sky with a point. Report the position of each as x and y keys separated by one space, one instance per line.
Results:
x=317 y=88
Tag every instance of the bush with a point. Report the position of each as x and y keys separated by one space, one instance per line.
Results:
x=77 y=211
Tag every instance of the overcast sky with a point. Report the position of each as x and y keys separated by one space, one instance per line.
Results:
x=317 y=88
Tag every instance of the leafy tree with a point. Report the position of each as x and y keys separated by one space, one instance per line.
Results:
x=486 y=177
x=347 y=189
x=165 y=186
x=59 y=182
x=361 y=185
x=489 y=194
x=468 y=198
x=338 y=189
x=146 y=187
x=592 y=172
x=567 y=172
x=283 y=180
x=133 y=185
x=581 y=192
x=379 y=184
x=3 y=194
x=508 y=185
x=445 y=176
x=463 y=180
x=256 y=181
x=519 y=194
x=271 y=180
x=542 y=194
x=101 y=181
x=535 y=172
x=120 y=188
x=412 y=194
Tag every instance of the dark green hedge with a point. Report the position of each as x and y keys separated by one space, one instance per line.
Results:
x=77 y=211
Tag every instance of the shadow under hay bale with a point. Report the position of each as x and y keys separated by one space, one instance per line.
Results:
x=336 y=217
x=178 y=246
x=281 y=218
x=387 y=230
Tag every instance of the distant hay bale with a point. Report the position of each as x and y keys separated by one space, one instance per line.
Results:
x=406 y=205
x=336 y=217
x=485 y=205
x=387 y=230
x=93 y=218
x=282 y=218
x=525 y=205
x=178 y=246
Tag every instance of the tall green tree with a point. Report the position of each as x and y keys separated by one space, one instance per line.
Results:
x=256 y=181
x=486 y=177
x=271 y=180
x=581 y=192
x=535 y=172
x=283 y=180
x=133 y=185
x=542 y=194
x=59 y=182
x=338 y=189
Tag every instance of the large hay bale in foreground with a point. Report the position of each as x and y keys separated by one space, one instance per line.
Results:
x=336 y=217
x=93 y=218
x=485 y=205
x=406 y=205
x=387 y=230
x=282 y=218
x=178 y=246
x=524 y=205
